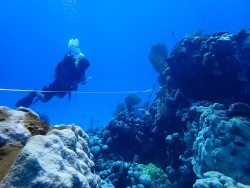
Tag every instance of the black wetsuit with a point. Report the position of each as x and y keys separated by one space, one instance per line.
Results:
x=67 y=78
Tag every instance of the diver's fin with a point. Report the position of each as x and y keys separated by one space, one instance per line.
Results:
x=26 y=101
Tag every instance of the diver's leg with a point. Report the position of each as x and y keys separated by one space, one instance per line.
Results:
x=52 y=90
x=46 y=94
x=27 y=100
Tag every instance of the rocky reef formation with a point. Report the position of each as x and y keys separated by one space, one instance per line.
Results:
x=131 y=174
x=214 y=179
x=34 y=154
x=16 y=127
x=212 y=67
x=195 y=134
x=199 y=121
x=220 y=140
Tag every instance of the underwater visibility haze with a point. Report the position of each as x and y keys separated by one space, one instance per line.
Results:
x=159 y=93
x=116 y=37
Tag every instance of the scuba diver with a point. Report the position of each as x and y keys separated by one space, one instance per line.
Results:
x=69 y=73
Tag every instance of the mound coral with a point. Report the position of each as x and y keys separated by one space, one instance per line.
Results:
x=131 y=101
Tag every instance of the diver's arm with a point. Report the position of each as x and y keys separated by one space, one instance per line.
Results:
x=85 y=80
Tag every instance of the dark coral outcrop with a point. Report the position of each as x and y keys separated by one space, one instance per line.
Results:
x=201 y=112
x=212 y=67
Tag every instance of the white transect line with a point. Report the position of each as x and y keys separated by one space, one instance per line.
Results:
x=79 y=92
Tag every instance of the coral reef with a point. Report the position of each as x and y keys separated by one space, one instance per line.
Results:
x=211 y=67
x=199 y=121
x=128 y=136
x=33 y=154
x=158 y=56
x=119 y=108
x=220 y=141
x=214 y=179
x=16 y=127
x=125 y=174
x=131 y=101
x=195 y=134
x=59 y=159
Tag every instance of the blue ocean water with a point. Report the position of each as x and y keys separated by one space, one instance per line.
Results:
x=116 y=37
